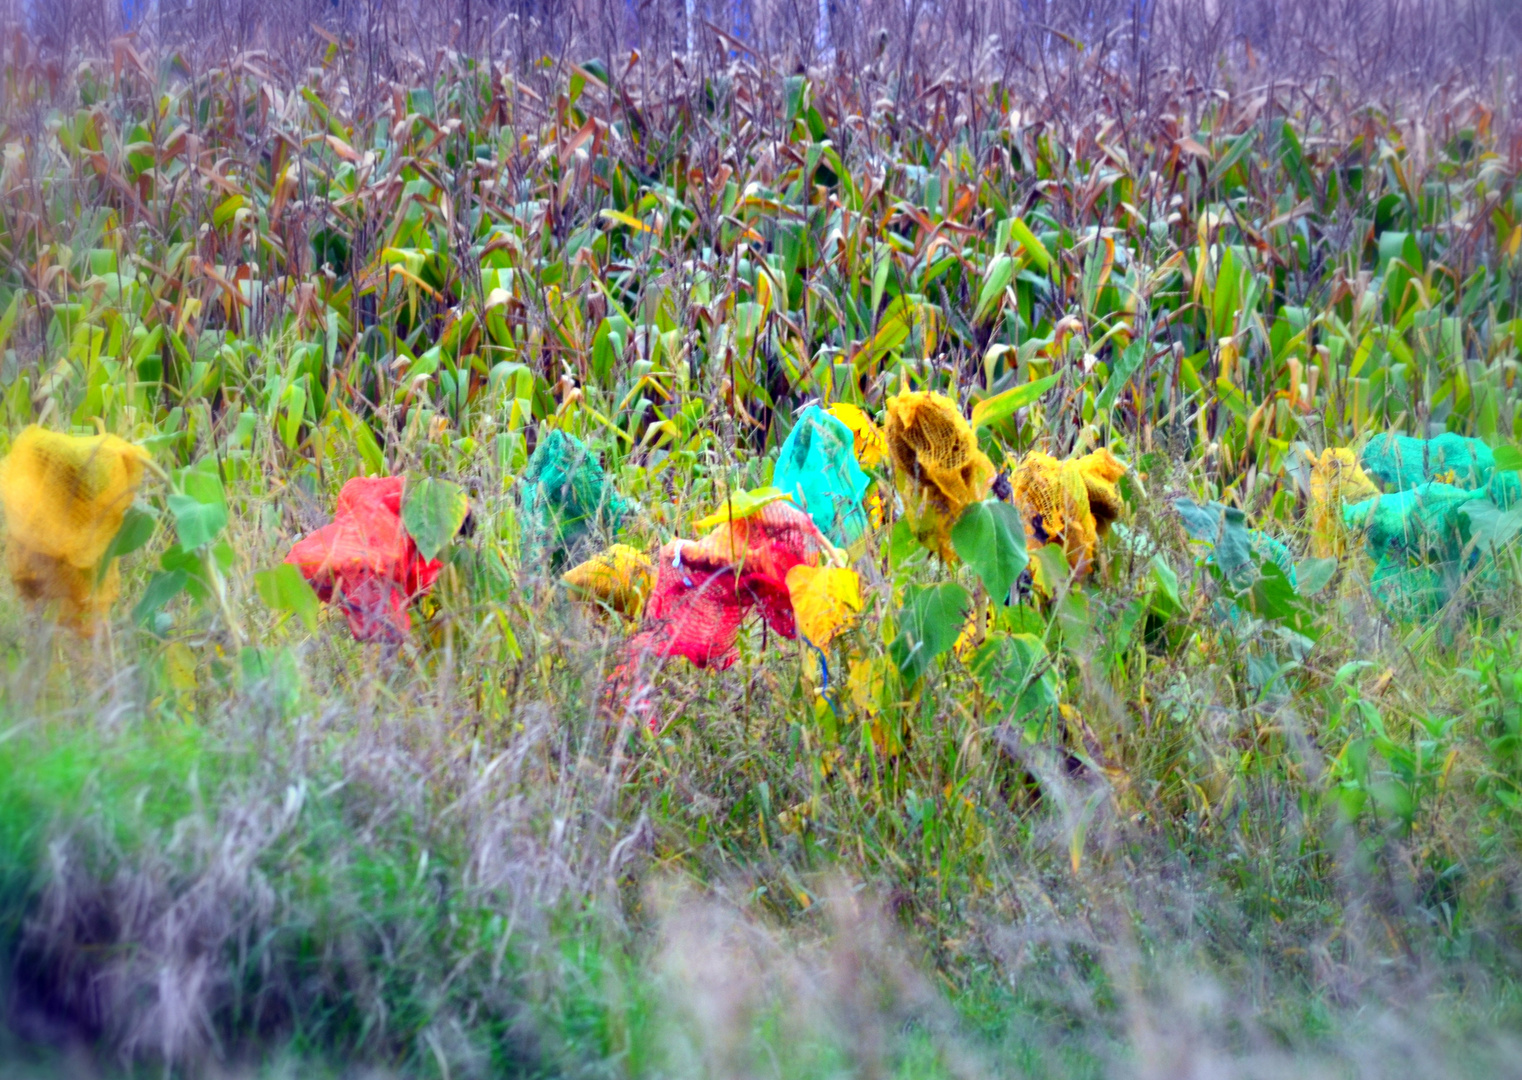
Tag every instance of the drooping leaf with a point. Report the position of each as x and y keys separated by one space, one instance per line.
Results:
x=1051 y=569
x=432 y=513
x=1034 y=250
x=162 y=588
x=284 y=589
x=1013 y=669
x=1489 y=526
x=197 y=523
x=1313 y=575
x=928 y=625
x=741 y=504
x=989 y=538
x=1123 y=370
x=138 y=527
x=1001 y=271
x=1165 y=598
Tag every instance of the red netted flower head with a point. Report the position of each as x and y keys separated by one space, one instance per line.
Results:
x=704 y=589
x=366 y=557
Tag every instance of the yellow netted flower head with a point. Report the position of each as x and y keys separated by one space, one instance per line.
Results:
x=65 y=497
x=933 y=445
x=1070 y=502
x=1336 y=478
x=869 y=444
x=619 y=577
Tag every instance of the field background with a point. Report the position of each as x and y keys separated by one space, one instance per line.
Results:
x=285 y=244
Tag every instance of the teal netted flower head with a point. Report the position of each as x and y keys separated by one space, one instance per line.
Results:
x=565 y=496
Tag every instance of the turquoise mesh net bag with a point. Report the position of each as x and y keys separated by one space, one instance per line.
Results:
x=817 y=467
x=1401 y=462
x=564 y=498
x=1445 y=512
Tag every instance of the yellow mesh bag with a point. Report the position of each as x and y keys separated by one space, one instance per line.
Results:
x=869 y=444
x=619 y=577
x=1070 y=502
x=65 y=498
x=933 y=445
x=1336 y=478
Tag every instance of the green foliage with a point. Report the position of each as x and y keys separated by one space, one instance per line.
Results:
x=432 y=513
x=989 y=538
x=578 y=297
x=928 y=624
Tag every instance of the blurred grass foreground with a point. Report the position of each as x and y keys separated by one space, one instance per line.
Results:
x=573 y=538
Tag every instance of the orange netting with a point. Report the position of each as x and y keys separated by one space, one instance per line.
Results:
x=65 y=498
x=704 y=589
x=933 y=445
x=367 y=558
x=1070 y=502
x=618 y=577
x=1336 y=478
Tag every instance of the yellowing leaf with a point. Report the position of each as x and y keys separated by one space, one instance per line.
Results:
x=342 y=149
x=826 y=600
x=741 y=504
x=867 y=683
x=626 y=219
x=180 y=667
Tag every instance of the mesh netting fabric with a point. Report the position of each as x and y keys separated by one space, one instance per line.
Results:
x=1401 y=462
x=1416 y=538
x=65 y=498
x=1422 y=524
x=1418 y=531
x=565 y=497
x=365 y=561
x=1071 y=502
x=704 y=589
x=931 y=443
x=817 y=466
x=619 y=577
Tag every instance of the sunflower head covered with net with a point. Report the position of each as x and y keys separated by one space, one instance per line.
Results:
x=565 y=497
x=930 y=443
x=1336 y=478
x=366 y=561
x=1070 y=502
x=704 y=589
x=618 y=578
x=65 y=497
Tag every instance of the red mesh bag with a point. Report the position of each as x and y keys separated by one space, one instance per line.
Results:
x=704 y=589
x=366 y=557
